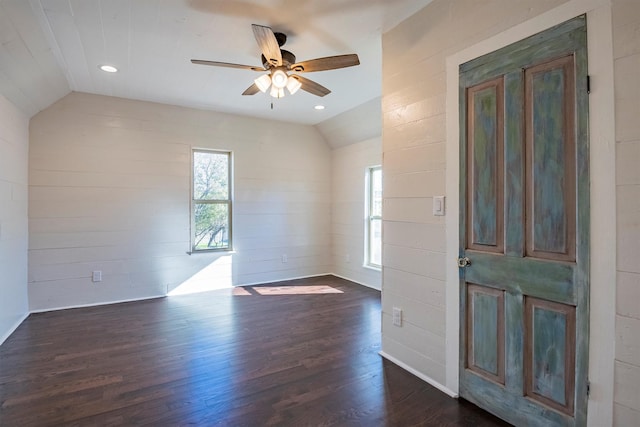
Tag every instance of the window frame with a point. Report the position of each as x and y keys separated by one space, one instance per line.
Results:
x=369 y=218
x=228 y=201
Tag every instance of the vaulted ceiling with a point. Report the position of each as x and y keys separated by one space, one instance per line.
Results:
x=51 y=47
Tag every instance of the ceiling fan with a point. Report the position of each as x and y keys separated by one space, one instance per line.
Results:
x=279 y=63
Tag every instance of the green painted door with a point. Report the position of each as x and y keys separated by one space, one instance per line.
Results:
x=524 y=229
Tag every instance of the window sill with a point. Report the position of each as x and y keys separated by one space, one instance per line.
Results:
x=371 y=267
x=212 y=251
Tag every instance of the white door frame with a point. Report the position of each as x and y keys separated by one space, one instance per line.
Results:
x=603 y=196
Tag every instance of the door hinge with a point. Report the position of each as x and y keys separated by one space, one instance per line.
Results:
x=588 y=387
x=588 y=84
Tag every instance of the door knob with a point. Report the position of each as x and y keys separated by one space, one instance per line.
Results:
x=464 y=262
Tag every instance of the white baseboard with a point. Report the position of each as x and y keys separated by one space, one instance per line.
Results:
x=355 y=281
x=44 y=310
x=11 y=330
x=423 y=377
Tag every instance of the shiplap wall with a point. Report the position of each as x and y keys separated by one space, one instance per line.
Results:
x=349 y=165
x=109 y=183
x=414 y=153
x=14 y=149
x=626 y=52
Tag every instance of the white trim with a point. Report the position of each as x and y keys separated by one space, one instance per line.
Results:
x=368 y=200
x=12 y=329
x=602 y=161
x=221 y=252
x=452 y=236
x=97 y=304
x=370 y=267
x=602 y=322
x=420 y=375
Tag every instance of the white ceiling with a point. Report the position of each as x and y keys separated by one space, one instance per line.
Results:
x=51 y=47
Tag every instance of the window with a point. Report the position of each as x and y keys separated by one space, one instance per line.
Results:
x=373 y=232
x=211 y=201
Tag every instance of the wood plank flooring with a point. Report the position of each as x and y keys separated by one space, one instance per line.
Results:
x=298 y=353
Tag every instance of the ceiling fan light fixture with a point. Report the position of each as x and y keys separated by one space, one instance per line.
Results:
x=279 y=79
x=263 y=82
x=276 y=92
x=293 y=85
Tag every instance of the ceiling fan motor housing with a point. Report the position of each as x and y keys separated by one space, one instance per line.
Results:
x=288 y=59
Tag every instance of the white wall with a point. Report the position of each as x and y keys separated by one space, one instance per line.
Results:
x=14 y=149
x=355 y=137
x=626 y=52
x=416 y=57
x=349 y=165
x=109 y=184
x=361 y=123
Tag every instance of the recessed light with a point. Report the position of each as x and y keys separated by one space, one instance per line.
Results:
x=109 y=68
x=319 y=107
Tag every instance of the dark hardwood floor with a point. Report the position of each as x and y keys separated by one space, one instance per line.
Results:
x=299 y=353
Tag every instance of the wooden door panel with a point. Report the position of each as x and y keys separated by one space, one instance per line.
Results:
x=550 y=160
x=485 y=332
x=514 y=163
x=550 y=330
x=523 y=276
x=486 y=166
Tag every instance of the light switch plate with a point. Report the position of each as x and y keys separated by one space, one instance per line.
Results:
x=438 y=205
x=397 y=316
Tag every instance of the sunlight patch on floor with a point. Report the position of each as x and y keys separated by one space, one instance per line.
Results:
x=288 y=290
x=217 y=275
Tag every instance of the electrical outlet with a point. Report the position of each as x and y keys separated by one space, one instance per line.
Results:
x=96 y=276
x=397 y=316
x=285 y=258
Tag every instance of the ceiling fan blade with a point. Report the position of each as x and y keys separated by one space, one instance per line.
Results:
x=311 y=86
x=226 y=64
x=268 y=44
x=327 y=63
x=251 y=90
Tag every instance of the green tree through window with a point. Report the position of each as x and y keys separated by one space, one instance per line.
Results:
x=211 y=204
